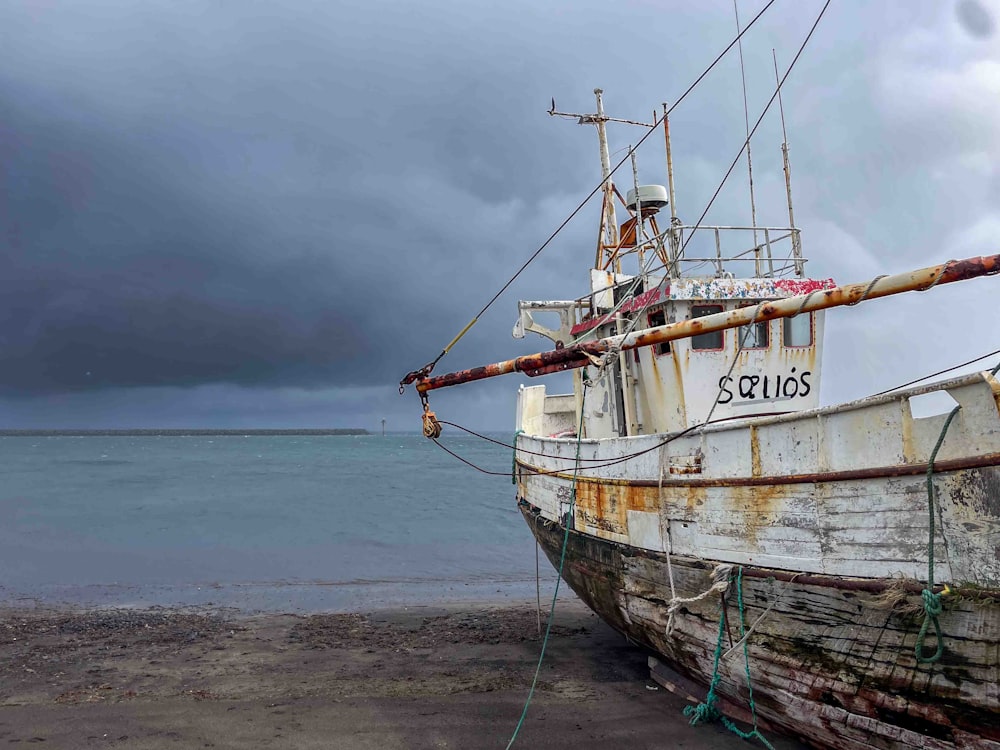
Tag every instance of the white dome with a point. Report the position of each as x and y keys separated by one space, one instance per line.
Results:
x=651 y=196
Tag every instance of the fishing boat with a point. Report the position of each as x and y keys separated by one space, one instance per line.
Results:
x=829 y=571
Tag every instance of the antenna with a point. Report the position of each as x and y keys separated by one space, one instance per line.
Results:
x=608 y=239
x=675 y=240
x=746 y=119
x=796 y=237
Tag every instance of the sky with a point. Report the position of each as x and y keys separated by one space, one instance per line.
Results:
x=259 y=214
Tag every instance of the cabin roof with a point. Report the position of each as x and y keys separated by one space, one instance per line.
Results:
x=757 y=288
x=709 y=288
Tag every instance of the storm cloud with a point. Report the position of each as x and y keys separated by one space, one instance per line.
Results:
x=265 y=214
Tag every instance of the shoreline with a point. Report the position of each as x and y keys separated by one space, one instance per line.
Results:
x=190 y=432
x=452 y=675
x=277 y=597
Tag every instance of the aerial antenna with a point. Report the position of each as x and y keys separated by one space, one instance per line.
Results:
x=796 y=237
x=608 y=240
x=675 y=240
x=746 y=120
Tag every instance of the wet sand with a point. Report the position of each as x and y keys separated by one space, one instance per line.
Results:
x=419 y=677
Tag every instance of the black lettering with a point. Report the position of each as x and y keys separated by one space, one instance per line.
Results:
x=765 y=387
x=791 y=384
x=726 y=395
x=747 y=385
x=806 y=386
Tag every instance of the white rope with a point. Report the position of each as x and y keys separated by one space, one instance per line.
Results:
x=720 y=578
x=670 y=546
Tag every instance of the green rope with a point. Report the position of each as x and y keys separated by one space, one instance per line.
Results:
x=513 y=459
x=932 y=601
x=707 y=711
x=562 y=562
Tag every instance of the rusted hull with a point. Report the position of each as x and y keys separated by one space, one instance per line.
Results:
x=832 y=663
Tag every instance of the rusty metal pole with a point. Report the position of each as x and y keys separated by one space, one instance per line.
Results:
x=674 y=241
x=583 y=354
x=796 y=238
x=609 y=187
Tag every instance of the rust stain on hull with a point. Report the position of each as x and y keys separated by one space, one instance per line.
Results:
x=832 y=658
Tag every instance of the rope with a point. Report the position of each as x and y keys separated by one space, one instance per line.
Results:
x=511 y=446
x=931 y=600
x=746 y=143
x=562 y=562
x=935 y=374
x=763 y=614
x=707 y=711
x=548 y=472
x=426 y=369
x=876 y=280
x=720 y=582
x=741 y=340
x=597 y=463
x=670 y=551
x=513 y=459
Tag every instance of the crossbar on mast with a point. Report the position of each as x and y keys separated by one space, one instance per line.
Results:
x=579 y=355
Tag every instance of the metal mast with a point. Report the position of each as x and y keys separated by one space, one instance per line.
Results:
x=746 y=120
x=610 y=221
x=608 y=240
x=675 y=240
x=796 y=238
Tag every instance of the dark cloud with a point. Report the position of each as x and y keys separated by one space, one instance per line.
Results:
x=291 y=206
x=975 y=19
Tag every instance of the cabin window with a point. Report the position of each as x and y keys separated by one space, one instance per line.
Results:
x=659 y=318
x=755 y=335
x=628 y=290
x=707 y=341
x=798 y=331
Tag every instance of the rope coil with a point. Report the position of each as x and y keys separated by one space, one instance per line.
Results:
x=432 y=428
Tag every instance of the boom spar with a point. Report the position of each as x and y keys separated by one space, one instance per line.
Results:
x=583 y=354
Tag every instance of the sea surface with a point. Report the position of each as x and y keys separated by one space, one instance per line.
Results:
x=275 y=523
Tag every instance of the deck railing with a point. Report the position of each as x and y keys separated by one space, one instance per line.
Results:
x=773 y=251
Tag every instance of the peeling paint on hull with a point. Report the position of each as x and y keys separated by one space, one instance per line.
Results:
x=832 y=665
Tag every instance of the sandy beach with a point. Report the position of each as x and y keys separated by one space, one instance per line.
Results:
x=418 y=677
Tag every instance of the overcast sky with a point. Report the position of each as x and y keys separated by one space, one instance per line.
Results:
x=263 y=214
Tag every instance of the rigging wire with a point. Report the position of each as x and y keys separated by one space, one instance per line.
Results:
x=547 y=472
x=671 y=438
x=935 y=374
x=746 y=147
x=760 y=119
x=707 y=422
x=427 y=368
x=562 y=562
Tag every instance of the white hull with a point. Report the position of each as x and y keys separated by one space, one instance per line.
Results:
x=825 y=514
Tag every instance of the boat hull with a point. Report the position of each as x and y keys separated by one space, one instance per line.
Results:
x=831 y=658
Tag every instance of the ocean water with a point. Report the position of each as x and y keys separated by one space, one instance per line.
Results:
x=276 y=523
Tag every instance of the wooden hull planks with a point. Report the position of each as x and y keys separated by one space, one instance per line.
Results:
x=831 y=664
